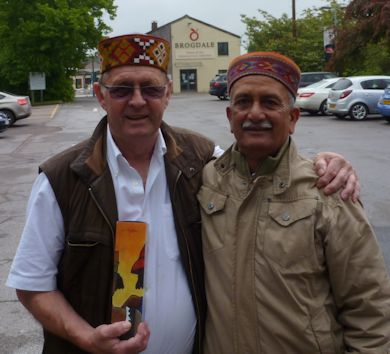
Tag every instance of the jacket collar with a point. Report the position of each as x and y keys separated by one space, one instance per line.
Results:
x=180 y=153
x=281 y=172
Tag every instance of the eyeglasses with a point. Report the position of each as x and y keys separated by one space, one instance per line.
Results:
x=127 y=92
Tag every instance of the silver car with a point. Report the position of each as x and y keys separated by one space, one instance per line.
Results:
x=356 y=96
x=14 y=107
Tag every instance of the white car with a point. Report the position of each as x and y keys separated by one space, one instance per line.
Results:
x=312 y=98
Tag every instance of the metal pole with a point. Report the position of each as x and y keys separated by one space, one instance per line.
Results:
x=294 y=24
x=93 y=74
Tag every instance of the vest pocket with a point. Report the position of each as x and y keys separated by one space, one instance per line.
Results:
x=87 y=239
x=85 y=244
x=212 y=206
x=83 y=261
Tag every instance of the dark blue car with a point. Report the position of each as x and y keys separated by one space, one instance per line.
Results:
x=4 y=122
x=384 y=104
x=218 y=87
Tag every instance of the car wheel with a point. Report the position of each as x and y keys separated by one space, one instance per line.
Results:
x=324 y=109
x=358 y=111
x=224 y=96
x=9 y=115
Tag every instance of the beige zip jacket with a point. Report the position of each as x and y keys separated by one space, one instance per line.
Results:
x=287 y=269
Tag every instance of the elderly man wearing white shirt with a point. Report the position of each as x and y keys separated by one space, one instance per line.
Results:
x=133 y=168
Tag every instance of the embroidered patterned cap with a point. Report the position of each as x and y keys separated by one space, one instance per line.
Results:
x=134 y=49
x=270 y=64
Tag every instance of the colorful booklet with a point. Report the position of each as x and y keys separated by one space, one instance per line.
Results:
x=128 y=285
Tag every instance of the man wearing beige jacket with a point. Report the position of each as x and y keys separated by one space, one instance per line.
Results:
x=288 y=270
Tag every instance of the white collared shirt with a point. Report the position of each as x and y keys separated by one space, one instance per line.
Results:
x=168 y=307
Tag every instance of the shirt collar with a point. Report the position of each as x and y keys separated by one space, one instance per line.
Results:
x=114 y=154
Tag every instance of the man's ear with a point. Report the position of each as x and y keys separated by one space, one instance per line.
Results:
x=229 y=117
x=98 y=92
x=169 y=92
x=294 y=116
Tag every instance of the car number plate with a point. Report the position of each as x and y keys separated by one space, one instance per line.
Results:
x=332 y=105
x=386 y=101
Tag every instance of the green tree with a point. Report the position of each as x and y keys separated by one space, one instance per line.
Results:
x=363 y=40
x=275 y=34
x=50 y=36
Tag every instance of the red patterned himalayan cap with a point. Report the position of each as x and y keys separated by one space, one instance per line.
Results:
x=270 y=64
x=134 y=49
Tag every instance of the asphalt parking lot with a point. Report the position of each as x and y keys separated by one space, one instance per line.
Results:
x=51 y=129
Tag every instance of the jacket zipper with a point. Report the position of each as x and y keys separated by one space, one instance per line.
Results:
x=191 y=272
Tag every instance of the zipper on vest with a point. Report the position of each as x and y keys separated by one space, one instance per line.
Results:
x=176 y=181
x=102 y=212
x=191 y=271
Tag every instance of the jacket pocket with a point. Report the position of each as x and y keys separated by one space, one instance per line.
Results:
x=212 y=206
x=289 y=238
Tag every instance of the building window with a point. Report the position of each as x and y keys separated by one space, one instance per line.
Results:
x=222 y=71
x=79 y=83
x=223 y=48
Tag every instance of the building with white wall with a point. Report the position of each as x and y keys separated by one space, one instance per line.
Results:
x=199 y=52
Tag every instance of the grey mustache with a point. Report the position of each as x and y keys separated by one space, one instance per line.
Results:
x=265 y=124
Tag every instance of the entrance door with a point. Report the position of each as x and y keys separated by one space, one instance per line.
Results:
x=188 y=81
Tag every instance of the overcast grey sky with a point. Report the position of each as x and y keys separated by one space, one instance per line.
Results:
x=137 y=15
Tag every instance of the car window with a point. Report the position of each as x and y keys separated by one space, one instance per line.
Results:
x=308 y=77
x=376 y=84
x=342 y=84
x=386 y=83
x=383 y=84
x=331 y=85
